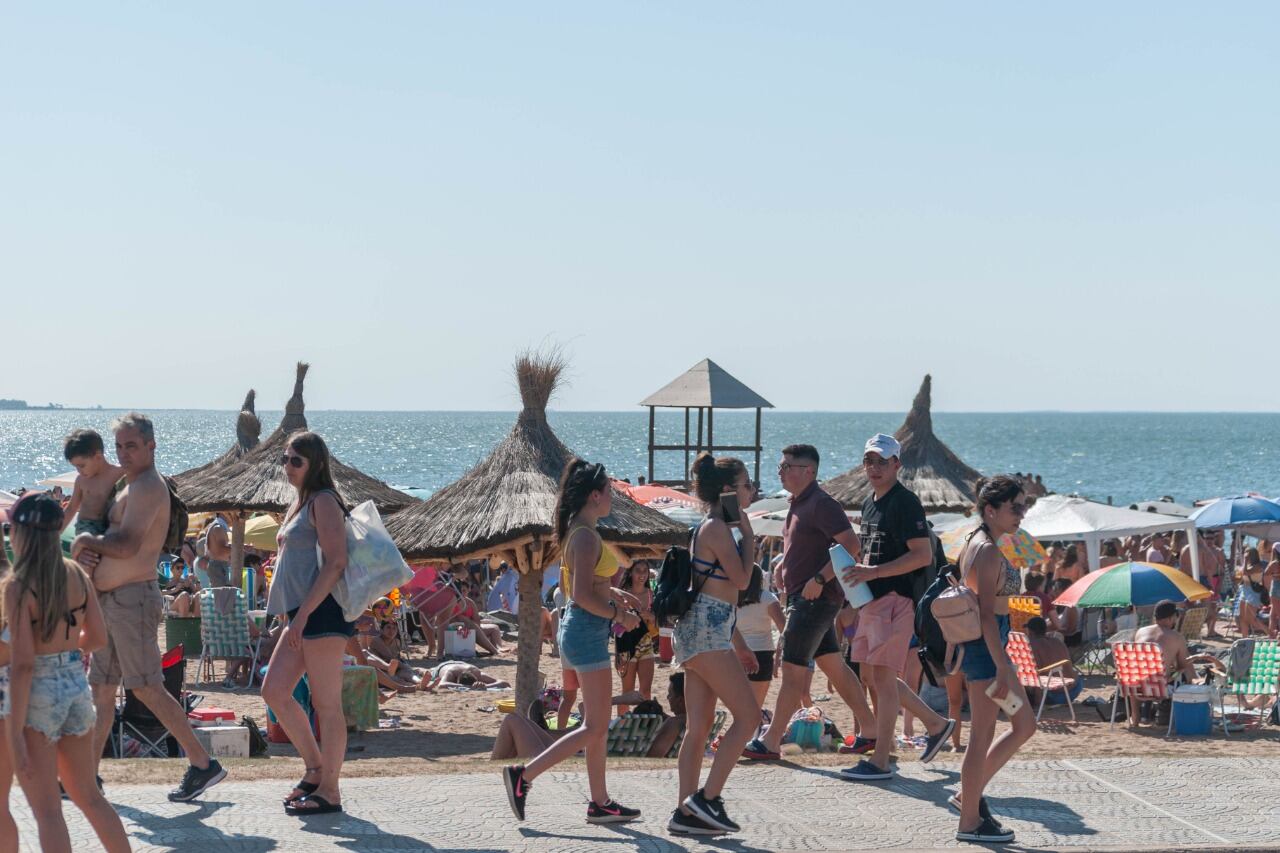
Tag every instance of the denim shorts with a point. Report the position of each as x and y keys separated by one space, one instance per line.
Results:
x=60 y=704
x=584 y=640
x=325 y=621
x=810 y=631
x=707 y=627
x=977 y=664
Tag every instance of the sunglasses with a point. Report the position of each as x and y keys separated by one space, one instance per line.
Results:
x=295 y=461
x=787 y=466
x=1017 y=508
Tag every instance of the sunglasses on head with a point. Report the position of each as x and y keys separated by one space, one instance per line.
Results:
x=290 y=459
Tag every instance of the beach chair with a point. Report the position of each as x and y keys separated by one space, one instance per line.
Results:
x=1043 y=678
x=716 y=726
x=633 y=734
x=1192 y=624
x=1021 y=609
x=224 y=630
x=1263 y=680
x=1093 y=655
x=135 y=721
x=1139 y=674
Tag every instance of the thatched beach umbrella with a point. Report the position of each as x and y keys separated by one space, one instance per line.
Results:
x=255 y=481
x=503 y=509
x=929 y=468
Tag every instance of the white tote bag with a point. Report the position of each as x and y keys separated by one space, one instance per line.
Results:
x=374 y=564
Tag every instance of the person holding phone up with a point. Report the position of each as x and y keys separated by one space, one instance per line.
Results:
x=992 y=679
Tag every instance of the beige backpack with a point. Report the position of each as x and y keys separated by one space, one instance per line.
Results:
x=957 y=614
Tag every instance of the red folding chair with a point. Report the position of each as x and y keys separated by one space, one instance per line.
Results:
x=1043 y=678
x=1139 y=674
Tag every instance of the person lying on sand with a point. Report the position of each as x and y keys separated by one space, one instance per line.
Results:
x=463 y=674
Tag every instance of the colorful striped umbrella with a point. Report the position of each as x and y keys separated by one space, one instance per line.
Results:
x=1139 y=584
x=1018 y=548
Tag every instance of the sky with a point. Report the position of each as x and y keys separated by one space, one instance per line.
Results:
x=1046 y=207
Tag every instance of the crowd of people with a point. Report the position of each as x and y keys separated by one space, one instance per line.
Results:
x=130 y=566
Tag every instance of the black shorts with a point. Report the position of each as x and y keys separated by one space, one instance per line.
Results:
x=810 y=631
x=326 y=621
x=765 y=672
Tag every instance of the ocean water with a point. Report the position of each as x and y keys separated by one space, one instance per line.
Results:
x=1124 y=456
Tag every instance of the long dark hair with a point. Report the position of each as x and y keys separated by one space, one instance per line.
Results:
x=755 y=588
x=711 y=475
x=994 y=492
x=579 y=480
x=312 y=448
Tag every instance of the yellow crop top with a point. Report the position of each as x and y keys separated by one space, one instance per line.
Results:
x=606 y=566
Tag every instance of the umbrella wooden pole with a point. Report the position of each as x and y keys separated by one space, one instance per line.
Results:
x=237 y=550
x=529 y=642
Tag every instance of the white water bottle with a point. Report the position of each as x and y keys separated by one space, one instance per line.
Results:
x=858 y=594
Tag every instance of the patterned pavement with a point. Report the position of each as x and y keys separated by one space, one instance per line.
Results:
x=1120 y=804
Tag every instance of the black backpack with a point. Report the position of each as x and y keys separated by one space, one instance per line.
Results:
x=933 y=645
x=922 y=579
x=675 y=594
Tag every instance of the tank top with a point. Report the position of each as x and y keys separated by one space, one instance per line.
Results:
x=606 y=565
x=297 y=564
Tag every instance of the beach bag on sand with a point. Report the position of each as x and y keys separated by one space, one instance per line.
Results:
x=374 y=564
x=956 y=612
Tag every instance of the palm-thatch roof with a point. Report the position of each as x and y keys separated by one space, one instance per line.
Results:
x=255 y=481
x=929 y=468
x=248 y=430
x=509 y=498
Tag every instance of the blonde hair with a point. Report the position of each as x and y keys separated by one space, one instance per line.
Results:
x=40 y=569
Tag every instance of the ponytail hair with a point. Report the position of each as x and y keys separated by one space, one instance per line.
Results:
x=579 y=480
x=710 y=476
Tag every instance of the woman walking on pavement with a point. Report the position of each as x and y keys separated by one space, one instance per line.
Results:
x=587 y=570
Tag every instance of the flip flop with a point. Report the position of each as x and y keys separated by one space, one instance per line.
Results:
x=297 y=808
x=307 y=789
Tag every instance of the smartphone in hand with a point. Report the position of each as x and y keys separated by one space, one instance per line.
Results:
x=730 y=510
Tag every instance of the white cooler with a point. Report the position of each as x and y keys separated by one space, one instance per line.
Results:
x=224 y=741
x=460 y=642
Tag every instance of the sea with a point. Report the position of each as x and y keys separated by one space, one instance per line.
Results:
x=1119 y=456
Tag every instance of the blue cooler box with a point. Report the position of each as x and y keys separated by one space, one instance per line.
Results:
x=1192 y=710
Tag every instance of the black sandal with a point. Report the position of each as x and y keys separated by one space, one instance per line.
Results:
x=298 y=807
x=307 y=788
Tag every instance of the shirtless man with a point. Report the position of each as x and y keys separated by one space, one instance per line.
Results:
x=1173 y=646
x=95 y=478
x=122 y=565
x=464 y=674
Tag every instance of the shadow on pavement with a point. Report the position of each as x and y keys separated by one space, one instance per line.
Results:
x=359 y=834
x=158 y=831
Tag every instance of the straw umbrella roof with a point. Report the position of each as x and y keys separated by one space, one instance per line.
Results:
x=942 y=481
x=509 y=498
x=248 y=430
x=256 y=482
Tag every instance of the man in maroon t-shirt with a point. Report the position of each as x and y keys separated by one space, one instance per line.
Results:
x=815 y=522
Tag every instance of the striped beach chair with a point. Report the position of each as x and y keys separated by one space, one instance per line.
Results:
x=633 y=734
x=1263 y=678
x=224 y=631
x=1043 y=678
x=1139 y=674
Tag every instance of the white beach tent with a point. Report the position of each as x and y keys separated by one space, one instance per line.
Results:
x=1060 y=518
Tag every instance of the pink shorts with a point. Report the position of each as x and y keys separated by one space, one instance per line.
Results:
x=885 y=627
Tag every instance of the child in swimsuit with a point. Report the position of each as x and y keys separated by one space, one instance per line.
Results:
x=95 y=480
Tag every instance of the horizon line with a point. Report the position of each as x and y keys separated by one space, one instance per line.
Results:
x=640 y=410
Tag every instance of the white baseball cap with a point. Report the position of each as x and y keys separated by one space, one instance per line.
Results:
x=886 y=445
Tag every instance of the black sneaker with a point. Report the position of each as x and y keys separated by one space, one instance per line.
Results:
x=690 y=824
x=986 y=832
x=984 y=811
x=196 y=781
x=711 y=811
x=610 y=812
x=933 y=743
x=517 y=788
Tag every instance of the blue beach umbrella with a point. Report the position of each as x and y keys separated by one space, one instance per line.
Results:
x=1236 y=512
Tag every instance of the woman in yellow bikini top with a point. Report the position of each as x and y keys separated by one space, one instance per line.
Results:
x=586 y=496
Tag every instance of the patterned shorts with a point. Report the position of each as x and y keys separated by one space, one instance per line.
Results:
x=707 y=627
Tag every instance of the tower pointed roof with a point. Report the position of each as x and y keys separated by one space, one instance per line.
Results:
x=706 y=384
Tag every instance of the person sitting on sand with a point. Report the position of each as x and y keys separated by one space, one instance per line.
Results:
x=464 y=675
x=387 y=646
x=95 y=480
x=386 y=681
x=464 y=612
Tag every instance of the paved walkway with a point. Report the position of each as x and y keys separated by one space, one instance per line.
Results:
x=1096 y=804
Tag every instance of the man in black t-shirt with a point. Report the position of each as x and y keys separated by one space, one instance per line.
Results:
x=895 y=546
